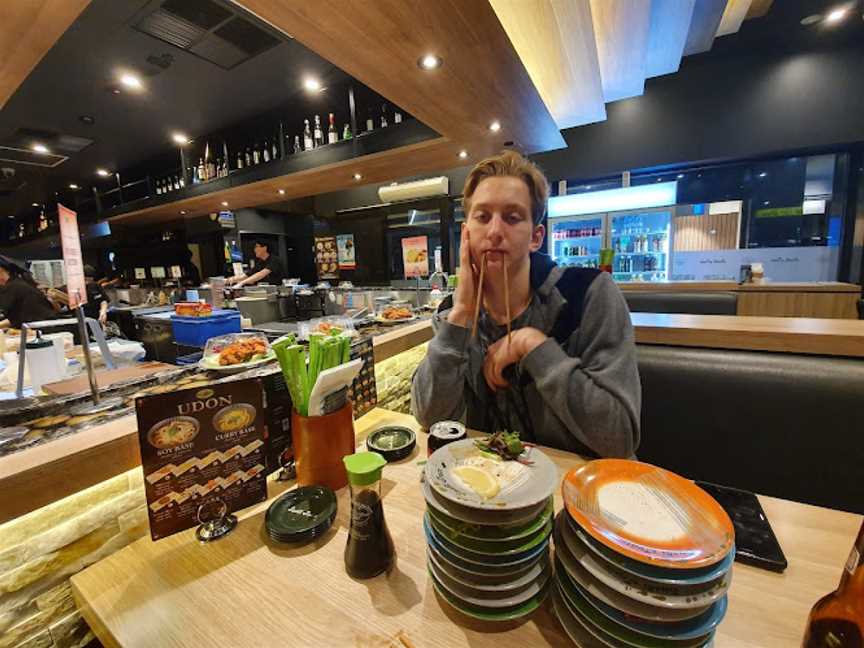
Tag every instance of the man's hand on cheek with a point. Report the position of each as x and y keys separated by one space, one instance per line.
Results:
x=501 y=354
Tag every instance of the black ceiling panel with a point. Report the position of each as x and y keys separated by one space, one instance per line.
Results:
x=206 y=14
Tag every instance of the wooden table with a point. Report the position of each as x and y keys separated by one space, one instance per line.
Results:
x=838 y=337
x=244 y=590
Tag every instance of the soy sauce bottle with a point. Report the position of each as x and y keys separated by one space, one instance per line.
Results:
x=369 y=551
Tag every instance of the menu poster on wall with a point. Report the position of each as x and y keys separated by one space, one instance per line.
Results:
x=345 y=248
x=176 y=272
x=70 y=241
x=140 y=273
x=415 y=256
x=326 y=257
x=200 y=446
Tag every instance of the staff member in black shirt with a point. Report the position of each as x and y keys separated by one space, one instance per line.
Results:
x=20 y=300
x=265 y=267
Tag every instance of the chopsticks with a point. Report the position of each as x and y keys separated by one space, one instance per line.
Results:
x=480 y=298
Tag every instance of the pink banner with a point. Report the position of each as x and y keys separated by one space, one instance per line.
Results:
x=70 y=240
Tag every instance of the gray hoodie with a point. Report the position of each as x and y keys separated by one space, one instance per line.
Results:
x=578 y=391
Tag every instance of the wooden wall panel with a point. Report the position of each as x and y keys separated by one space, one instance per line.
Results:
x=799 y=304
x=708 y=232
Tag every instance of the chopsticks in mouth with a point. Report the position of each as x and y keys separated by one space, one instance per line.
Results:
x=479 y=298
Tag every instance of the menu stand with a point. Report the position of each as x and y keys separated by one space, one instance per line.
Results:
x=215 y=520
x=83 y=408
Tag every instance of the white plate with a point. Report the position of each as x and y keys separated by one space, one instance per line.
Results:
x=489 y=582
x=490 y=599
x=480 y=516
x=529 y=485
x=657 y=594
x=383 y=320
x=236 y=368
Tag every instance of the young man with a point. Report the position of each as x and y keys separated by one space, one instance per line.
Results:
x=265 y=268
x=568 y=379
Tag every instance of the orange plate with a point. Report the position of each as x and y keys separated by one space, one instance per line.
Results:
x=648 y=514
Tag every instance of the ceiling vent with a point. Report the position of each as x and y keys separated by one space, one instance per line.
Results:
x=18 y=147
x=210 y=30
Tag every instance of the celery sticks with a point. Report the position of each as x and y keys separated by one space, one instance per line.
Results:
x=325 y=352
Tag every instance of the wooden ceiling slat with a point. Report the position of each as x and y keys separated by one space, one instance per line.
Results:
x=621 y=29
x=555 y=40
x=379 y=43
x=733 y=17
x=28 y=29
x=706 y=19
x=670 y=24
x=759 y=8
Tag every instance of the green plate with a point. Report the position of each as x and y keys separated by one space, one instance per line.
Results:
x=483 y=533
x=493 y=548
x=485 y=614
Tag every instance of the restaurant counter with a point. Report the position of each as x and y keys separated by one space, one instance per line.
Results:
x=246 y=589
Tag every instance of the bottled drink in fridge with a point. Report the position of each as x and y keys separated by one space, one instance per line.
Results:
x=837 y=619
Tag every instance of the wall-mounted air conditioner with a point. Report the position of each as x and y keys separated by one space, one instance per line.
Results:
x=416 y=189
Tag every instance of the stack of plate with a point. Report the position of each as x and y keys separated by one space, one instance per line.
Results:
x=488 y=555
x=643 y=558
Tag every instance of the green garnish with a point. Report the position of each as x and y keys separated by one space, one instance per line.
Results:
x=506 y=445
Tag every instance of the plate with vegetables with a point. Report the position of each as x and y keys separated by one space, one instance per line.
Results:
x=496 y=472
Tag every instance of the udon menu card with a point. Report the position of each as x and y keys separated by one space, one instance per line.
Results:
x=199 y=445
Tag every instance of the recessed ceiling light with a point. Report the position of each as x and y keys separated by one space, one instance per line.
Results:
x=312 y=84
x=102 y=172
x=183 y=212
x=40 y=148
x=763 y=174
x=130 y=81
x=180 y=138
x=659 y=179
x=680 y=175
x=357 y=176
x=767 y=202
x=281 y=192
x=495 y=126
x=35 y=204
x=72 y=185
x=812 y=19
x=87 y=119
x=463 y=154
x=430 y=62
x=836 y=15
x=224 y=203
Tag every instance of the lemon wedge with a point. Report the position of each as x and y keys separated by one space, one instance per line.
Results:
x=479 y=480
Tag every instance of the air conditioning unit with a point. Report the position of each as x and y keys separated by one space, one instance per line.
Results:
x=416 y=189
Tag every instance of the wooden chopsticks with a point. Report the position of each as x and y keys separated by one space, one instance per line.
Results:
x=479 y=299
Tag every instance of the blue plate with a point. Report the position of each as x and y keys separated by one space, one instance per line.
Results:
x=698 y=626
x=650 y=572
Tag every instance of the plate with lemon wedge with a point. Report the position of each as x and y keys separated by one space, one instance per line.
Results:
x=468 y=473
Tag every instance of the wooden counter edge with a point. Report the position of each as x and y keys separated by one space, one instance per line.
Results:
x=100 y=630
x=731 y=286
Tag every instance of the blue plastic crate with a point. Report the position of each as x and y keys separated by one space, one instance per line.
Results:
x=195 y=331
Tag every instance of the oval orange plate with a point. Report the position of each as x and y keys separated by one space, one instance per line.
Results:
x=648 y=514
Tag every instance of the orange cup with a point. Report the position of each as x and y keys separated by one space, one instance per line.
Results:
x=320 y=442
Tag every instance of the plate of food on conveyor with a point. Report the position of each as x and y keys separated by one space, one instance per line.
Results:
x=236 y=352
x=395 y=315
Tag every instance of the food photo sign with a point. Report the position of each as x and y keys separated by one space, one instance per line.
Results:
x=326 y=257
x=345 y=245
x=415 y=256
x=200 y=446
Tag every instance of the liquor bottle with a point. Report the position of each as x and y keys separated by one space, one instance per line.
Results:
x=837 y=619
x=248 y=157
x=332 y=133
x=384 y=115
x=319 y=134
x=202 y=175
x=274 y=151
x=265 y=154
x=370 y=125
x=397 y=116
x=159 y=187
x=308 y=142
x=176 y=183
x=297 y=147
x=256 y=154
x=239 y=159
x=346 y=132
x=182 y=181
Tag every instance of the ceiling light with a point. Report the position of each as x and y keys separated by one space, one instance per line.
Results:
x=763 y=174
x=224 y=203
x=281 y=192
x=659 y=179
x=102 y=172
x=463 y=154
x=73 y=186
x=312 y=84
x=767 y=202
x=812 y=19
x=680 y=175
x=183 y=212
x=357 y=176
x=495 y=126
x=35 y=204
x=430 y=62
x=180 y=138
x=130 y=81
x=836 y=15
x=40 y=148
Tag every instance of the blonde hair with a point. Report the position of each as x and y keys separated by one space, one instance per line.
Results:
x=514 y=165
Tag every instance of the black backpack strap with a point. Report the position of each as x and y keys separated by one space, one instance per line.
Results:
x=573 y=286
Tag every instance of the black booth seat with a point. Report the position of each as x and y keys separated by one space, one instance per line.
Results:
x=790 y=426
x=693 y=303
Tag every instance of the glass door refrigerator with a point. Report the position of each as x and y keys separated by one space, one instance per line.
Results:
x=642 y=241
x=576 y=240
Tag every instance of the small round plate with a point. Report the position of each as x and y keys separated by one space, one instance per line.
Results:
x=572 y=626
x=648 y=514
x=486 y=599
x=209 y=364
x=393 y=442
x=485 y=533
x=487 y=614
x=301 y=514
x=489 y=582
x=480 y=517
x=521 y=485
x=491 y=573
x=493 y=549
x=390 y=322
x=484 y=563
x=661 y=595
